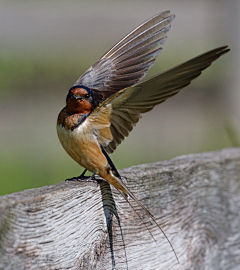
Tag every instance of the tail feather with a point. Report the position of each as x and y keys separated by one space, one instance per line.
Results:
x=130 y=194
x=125 y=196
x=114 y=179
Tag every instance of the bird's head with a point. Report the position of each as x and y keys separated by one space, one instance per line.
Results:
x=79 y=100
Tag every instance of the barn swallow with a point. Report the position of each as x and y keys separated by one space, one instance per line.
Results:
x=107 y=100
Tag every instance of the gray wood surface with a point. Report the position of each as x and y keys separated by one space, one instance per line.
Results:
x=86 y=225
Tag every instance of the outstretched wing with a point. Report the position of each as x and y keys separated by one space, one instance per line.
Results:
x=130 y=59
x=125 y=107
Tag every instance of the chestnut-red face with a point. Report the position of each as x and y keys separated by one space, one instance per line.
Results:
x=79 y=100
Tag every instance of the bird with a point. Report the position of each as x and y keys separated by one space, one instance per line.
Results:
x=107 y=101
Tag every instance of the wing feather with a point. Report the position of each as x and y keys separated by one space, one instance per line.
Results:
x=130 y=59
x=128 y=104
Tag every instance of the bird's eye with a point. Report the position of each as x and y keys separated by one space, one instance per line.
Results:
x=87 y=96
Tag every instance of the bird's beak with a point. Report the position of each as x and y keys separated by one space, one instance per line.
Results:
x=77 y=97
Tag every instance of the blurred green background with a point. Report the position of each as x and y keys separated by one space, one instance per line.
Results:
x=47 y=45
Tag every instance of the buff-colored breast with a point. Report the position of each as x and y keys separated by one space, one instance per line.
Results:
x=82 y=145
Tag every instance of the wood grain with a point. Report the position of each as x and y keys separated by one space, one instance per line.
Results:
x=86 y=225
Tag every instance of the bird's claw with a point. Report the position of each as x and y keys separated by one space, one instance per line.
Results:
x=81 y=178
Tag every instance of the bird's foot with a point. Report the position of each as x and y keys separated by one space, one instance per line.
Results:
x=82 y=178
x=77 y=178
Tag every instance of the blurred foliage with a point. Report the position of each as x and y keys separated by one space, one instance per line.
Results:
x=233 y=133
x=34 y=74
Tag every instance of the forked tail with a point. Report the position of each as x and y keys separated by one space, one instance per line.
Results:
x=125 y=196
x=114 y=178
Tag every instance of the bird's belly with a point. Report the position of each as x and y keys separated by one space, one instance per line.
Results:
x=83 y=147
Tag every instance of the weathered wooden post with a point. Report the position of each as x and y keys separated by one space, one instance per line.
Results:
x=195 y=199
